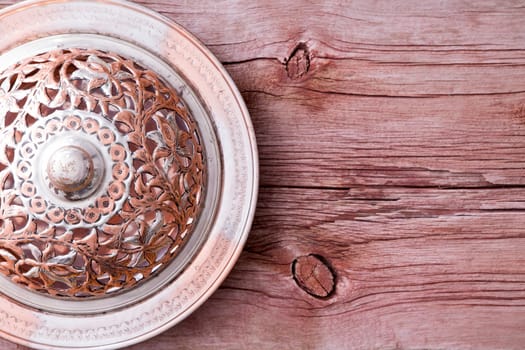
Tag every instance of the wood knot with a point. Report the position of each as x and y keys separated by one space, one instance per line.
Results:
x=298 y=64
x=313 y=274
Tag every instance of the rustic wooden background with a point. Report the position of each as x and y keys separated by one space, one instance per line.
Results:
x=392 y=198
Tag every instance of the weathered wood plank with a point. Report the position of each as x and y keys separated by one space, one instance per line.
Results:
x=391 y=137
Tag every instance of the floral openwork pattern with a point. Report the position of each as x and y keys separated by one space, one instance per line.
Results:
x=134 y=222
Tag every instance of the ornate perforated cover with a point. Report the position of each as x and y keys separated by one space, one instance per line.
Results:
x=101 y=173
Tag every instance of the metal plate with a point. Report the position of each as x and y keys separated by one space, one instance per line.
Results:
x=159 y=44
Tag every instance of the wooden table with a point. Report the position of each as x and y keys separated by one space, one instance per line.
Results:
x=392 y=199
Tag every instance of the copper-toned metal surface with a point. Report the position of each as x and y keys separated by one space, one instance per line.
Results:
x=101 y=173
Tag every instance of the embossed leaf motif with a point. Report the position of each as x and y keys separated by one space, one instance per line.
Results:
x=96 y=72
x=53 y=276
x=122 y=75
x=157 y=137
x=9 y=100
x=90 y=242
x=6 y=255
x=5 y=86
x=126 y=117
x=155 y=226
x=8 y=209
x=33 y=272
x=59 y=99
x=35 y=251
x=66 y=259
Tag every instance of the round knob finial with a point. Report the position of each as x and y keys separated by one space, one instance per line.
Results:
x=70 y=169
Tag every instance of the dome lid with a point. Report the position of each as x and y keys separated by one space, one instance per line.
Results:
x=102 y=173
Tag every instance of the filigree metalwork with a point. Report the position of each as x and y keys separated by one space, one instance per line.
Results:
x=129 y=216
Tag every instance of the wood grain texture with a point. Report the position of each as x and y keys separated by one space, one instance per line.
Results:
x=392 y=142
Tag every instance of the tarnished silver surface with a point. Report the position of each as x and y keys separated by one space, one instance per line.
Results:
x=78 y=206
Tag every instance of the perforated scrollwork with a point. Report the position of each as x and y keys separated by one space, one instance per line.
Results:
x=101 y=173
